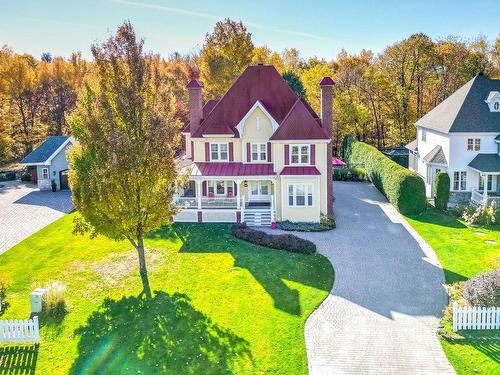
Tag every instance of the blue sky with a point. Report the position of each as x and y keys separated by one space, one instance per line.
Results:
x=316 y=28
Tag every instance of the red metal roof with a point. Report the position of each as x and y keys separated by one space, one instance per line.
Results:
x=207 y=108
x=300 y=171
x=235 y=169
x=259 y=82
x=299 y=124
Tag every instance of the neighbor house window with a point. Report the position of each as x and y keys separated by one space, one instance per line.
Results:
x=259 y=151
x=45 y=173
x=489 y=184
x=459 y=180
x=300 y=195
x=474 y=144
x=299 y=154
x=496 y=106
x=219 y=151
x=424 y=135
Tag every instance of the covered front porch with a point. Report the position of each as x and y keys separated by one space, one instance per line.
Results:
x=228 y=192
x=487 y=166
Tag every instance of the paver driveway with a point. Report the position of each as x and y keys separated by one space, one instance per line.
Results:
x=24 y=210
x=382 y=313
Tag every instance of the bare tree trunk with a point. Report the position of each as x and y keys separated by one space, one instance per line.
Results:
x=146 y=289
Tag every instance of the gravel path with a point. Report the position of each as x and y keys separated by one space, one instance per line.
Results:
x=24 y=210
x=382 y=313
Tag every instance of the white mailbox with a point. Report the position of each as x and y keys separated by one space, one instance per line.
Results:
x=36 y=299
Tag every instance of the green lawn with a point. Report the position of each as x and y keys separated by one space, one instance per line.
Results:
x=463 y=253
x=220 y=305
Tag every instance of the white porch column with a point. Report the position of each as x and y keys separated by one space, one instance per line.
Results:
x=485 y=182
x=198 y=193
x=238 y=194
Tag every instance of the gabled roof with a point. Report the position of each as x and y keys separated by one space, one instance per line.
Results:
x=299 y=124
x=436 y=155
x=412 y=146
x=466 y=109
x=486 y=163
x=260 y=83
x=46 y=150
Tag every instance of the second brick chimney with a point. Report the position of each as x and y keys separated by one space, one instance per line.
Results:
x=195 y=104
x=326 y=88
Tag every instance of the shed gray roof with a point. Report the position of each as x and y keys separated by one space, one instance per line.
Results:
x=436 y=155
x=486 y=163
x=465 y=110
x=45 y=150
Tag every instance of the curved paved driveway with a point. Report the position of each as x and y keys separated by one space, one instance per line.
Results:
x=384 y=308
x=24 y=210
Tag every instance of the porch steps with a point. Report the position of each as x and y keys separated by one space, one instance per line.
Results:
x=257 y=217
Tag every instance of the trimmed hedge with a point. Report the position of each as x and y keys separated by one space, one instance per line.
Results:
x=302 y=226
x=404 y=189
x=441 y=191
x=287 y=242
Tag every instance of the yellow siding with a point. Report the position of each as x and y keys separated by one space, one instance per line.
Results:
x=300 y=213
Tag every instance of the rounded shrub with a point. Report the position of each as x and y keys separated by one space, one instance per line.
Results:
x=441 y=191
x=403 y=188
x=483 y=289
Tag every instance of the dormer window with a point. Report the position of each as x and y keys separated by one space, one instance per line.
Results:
x=493 y=101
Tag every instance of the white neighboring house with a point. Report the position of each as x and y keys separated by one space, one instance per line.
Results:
x=51 y=163
x=461 y=136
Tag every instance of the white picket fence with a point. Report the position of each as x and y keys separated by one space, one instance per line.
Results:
x=475 y=317
x=20 y=331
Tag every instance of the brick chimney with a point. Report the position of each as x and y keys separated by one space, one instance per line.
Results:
x=195 y=104
x=326 y=88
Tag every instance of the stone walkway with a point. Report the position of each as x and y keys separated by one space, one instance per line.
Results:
x=383 y=311
x=24 y=210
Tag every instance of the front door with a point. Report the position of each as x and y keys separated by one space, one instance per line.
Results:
x=259 y=190
x=63 y=180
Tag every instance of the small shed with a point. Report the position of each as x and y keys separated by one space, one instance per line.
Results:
x=398 y=154
x=51 y=163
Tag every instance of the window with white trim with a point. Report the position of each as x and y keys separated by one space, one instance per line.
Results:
x=45 y=173
x=474 y=144
x=300 y=195
x=259 y=151
x=459 y=181
x=300 y=154
x=489 y=183
x=219 y=151
x=221 y=188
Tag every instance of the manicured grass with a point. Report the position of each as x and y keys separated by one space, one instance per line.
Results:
x=220 y=305
x=463 y=253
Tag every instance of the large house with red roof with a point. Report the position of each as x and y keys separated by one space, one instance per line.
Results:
x=259 y=154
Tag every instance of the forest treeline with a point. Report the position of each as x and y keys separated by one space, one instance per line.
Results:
x=378 y=97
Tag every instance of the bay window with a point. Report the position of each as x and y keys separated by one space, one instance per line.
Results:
x=299 y=154
x=219 y=151
x=300 y=195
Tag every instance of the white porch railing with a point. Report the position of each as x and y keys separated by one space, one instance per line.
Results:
x=475 y=317
x=19 y=331
x=478 y=197
x=206 y=202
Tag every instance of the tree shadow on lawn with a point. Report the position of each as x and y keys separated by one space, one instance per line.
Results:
x=268 y=266
x=19 y=360
x=161 y=335
x=436 y=217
